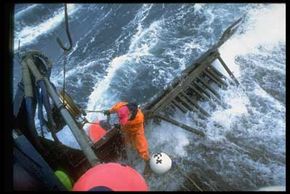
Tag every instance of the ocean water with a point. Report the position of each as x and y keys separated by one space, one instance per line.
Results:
x=132 y=51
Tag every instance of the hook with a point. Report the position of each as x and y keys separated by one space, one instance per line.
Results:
x=67 y=32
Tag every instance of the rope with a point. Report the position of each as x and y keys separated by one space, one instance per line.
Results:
x=108 y=120
x=95 y=111
x=91 y=122
x=65 y=50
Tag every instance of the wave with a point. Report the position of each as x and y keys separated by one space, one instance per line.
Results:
x=263 y=28
x=98 y=98
x=25 y=10
x=30 y=34
x=255 y=117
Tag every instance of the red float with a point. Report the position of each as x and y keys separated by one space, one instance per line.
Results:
x=96 y=132
x=111 y=176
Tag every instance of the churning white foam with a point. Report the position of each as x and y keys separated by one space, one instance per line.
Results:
x=23 y=11
x=264 y=27
x=139 y=47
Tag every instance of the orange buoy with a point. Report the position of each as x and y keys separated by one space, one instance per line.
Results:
x=111 y=177
x=96 y=132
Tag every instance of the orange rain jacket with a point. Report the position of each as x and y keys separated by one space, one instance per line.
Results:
x=134 y=131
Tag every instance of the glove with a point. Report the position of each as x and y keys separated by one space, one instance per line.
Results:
x=118 y=126
x=106 y=112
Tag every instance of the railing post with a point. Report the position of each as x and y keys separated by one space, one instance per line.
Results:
x=227 y=69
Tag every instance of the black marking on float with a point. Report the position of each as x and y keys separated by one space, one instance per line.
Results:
x=158 y=161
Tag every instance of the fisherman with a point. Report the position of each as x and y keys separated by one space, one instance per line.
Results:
x=131 y=123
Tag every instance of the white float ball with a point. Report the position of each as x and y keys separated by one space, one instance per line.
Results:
x=160 y=163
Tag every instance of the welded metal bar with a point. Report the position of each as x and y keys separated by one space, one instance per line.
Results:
x=210 y=88
x=181 y=104
x=209 y=96
x=178 y=106
x=172 y=106
x=194 y=102
x=181 y=125
x=209 y=69
x=190 y=106
x=230 y=31
x=218 y=72
x=198 y=92
x=193 y=87
x=169 y=109
x=209 y=75
x=187 y=104
x=189 y=98
x=227 y=69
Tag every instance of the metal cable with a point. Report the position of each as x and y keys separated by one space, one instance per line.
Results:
x=67 y=32
x=64 y=70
